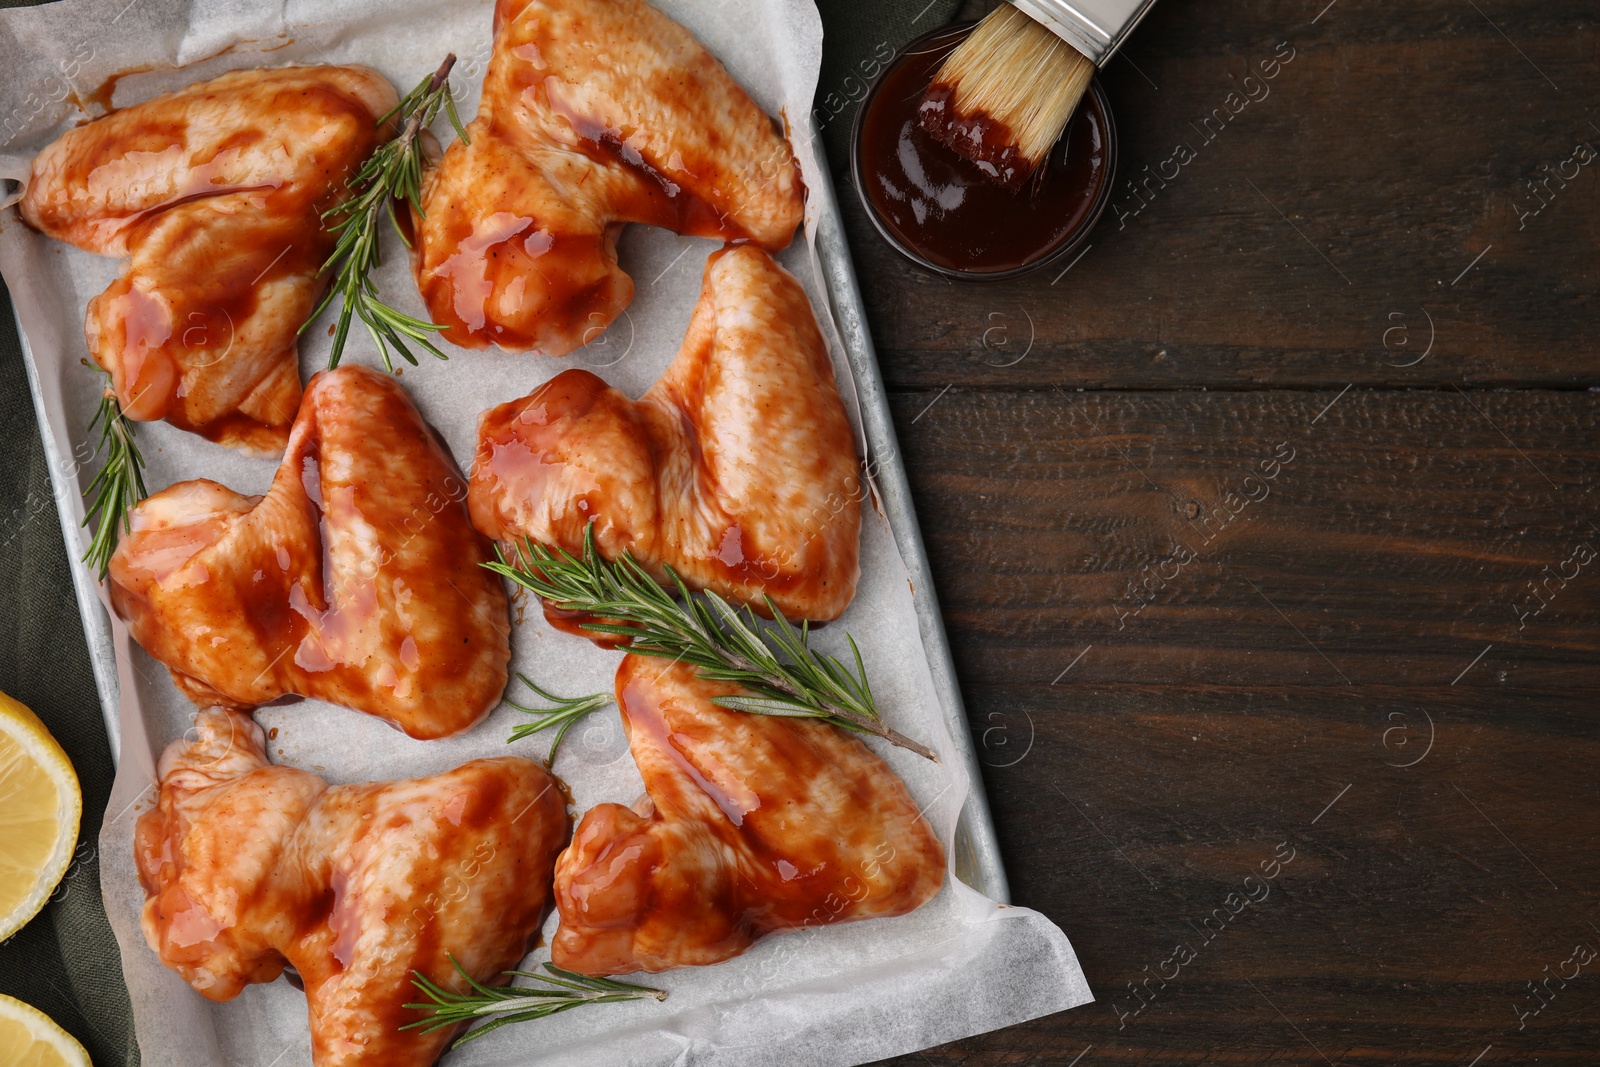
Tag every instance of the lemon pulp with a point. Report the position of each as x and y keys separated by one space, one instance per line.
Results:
x=40 y=805
x=31 y=1038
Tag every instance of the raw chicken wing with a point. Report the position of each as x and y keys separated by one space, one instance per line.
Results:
x=248 y=868
x=754 y=824
x=595 y=113
x=356 y=579
x=215 y=194
x=737 y=468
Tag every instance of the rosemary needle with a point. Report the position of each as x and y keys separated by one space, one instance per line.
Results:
x=565 y=714
x=783 y=674
x=118 y=486
x=516 y=1004
x=390 y=175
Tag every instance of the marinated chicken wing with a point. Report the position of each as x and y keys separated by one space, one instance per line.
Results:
x=754 y=824
x=215 y=194
x=356 y=579
x=595 y=113
x=737 y=468
x=249 y=868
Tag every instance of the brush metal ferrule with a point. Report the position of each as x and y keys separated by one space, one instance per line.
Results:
x=1096 y=28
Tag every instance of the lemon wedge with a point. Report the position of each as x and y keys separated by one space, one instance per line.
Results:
x=32 y=1039
x=40 y=805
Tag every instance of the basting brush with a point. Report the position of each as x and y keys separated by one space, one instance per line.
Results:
x=1003 y=97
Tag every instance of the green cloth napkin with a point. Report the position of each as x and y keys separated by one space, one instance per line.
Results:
x=65 y=962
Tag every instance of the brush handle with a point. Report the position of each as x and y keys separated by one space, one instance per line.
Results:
x=1095 y=28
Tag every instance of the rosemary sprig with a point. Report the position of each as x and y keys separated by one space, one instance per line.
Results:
x=118 y=486
x=565 y=714
x=390 y=175
x=776 y=664
x=514 y=1003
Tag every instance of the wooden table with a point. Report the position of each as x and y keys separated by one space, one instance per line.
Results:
x=1267 y=530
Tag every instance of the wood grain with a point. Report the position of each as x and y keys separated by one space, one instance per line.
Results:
x=1350 y=639
x=1404 y=924
x=1398 y=537
x=1233 y=559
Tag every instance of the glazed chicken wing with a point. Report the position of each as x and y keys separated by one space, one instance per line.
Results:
x=754 y=824
x=356 y=579
x=248 y=868
x=595 y=113
x=737 y=468
x=215 y=194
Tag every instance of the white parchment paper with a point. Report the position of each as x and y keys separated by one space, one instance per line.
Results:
x=960 y=965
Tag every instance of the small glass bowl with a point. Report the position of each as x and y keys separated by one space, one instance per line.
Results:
x=939 y=43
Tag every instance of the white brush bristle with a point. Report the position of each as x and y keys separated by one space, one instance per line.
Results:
x=1019 y=74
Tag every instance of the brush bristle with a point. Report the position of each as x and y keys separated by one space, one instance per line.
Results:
x=1003 y=97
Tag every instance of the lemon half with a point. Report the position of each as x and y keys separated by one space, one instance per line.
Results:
x=40 y=806
x=31 y=1038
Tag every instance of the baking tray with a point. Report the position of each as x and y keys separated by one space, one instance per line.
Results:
x=976 y=857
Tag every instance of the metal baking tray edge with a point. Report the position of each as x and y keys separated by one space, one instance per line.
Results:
x=977 y=853
x=69 y=509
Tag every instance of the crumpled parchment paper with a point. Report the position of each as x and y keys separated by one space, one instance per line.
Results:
x=961 y=965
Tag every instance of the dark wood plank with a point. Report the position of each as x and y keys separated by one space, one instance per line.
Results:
x=1418 y=903
x=1140 y=765
x=1401 y=534
x=1323 y=236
